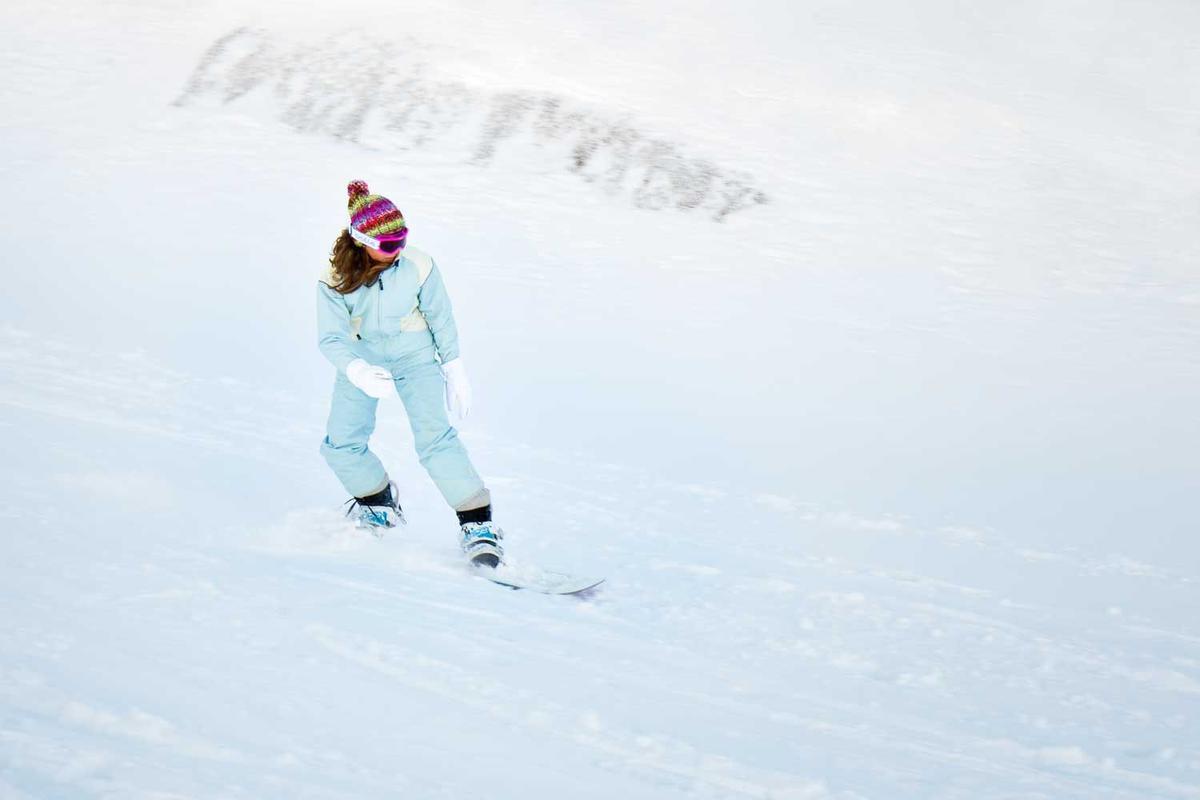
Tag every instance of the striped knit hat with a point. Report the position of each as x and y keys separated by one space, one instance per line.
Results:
x=372 y=214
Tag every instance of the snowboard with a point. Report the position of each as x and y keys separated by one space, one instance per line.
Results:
x=537 y=580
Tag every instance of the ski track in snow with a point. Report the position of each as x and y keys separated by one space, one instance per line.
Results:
x=771 y=639
x=408 y=108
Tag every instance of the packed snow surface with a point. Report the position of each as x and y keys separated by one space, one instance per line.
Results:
x=856 y=344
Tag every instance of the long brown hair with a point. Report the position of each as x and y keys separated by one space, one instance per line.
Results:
x=352 y=264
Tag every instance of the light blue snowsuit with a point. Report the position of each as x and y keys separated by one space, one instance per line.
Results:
x=402 y=322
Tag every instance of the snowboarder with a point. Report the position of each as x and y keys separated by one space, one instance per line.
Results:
x=385 y=322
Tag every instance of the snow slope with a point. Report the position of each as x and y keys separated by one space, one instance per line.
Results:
x=857 y=344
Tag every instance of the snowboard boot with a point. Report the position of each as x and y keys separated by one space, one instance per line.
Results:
x=379 y=510
x=481 y=537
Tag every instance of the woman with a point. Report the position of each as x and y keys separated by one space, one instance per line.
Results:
x=386 y=324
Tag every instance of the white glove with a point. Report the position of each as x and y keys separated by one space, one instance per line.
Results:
x=458 y=388
x=375 y=381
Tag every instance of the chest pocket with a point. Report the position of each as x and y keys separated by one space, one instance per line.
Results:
x=414 y=320
x=396 y=294
x=399 y=305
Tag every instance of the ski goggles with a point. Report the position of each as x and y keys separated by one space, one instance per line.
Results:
x=387 y=243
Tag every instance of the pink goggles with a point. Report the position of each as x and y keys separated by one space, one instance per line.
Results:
x=387 y=243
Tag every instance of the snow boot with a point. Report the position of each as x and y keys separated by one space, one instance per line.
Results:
x=380 y=510
x=481 y=537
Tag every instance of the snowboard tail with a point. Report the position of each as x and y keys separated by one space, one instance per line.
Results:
x=537 y=580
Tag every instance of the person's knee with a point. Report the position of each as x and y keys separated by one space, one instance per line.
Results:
x=330 y=446
x=349 y=423
x=432 y=444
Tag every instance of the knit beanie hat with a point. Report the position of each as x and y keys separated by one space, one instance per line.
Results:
x=372 y=214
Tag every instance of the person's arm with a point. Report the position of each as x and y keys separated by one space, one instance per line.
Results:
x=334 y=337
x=434 y=303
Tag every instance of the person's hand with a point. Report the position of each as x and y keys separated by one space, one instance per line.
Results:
x=375 y=381
x=458 y=388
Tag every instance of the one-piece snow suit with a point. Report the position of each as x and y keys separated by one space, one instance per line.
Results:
x=403 y=322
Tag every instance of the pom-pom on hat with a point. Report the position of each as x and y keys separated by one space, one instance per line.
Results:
x=372 y=214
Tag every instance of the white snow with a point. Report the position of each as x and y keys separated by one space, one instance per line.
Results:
x=856 y=344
